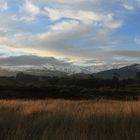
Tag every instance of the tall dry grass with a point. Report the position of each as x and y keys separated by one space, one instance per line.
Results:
x=69 y=120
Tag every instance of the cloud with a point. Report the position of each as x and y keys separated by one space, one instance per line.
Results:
x=3 y=6
x=86 y=17
x=62 y=39
x=137 y=40
x=64 y=26
x=29 y=11
x=32 y=60
x=128 y=7
x=128 y=53
x=2 y=54
x=131 y=4
x=71 y=2
x=78 y=29
x=31 y=8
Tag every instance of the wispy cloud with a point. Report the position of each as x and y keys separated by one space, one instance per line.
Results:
x=3 y=6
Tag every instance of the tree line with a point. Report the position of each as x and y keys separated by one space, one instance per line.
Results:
x=25 y=86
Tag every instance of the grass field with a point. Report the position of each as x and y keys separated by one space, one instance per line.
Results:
x=69 y=120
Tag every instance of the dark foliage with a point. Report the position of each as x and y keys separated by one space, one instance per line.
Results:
x=25 y=86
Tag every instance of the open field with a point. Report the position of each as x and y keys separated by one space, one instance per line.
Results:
x=69 y=120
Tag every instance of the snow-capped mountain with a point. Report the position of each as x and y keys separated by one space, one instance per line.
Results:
x=49 y=66
x=102 y=71
x=67 y=68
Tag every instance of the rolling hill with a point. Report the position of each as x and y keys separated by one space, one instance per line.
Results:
x=123 y=73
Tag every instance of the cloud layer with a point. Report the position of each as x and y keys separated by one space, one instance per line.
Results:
x=79 y=30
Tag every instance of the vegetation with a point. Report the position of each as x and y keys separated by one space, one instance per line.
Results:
x=138 y=75
x=69 y=120
x=25 y=86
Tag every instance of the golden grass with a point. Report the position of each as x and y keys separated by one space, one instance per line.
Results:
x=69 y=120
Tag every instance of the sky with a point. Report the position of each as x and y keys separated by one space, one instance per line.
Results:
x=91 y=32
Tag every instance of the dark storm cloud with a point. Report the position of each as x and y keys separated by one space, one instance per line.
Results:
x=30 y=60
x=1 y=54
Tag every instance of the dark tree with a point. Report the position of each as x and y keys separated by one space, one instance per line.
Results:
x=138 y=75
x=115 y=80
x=115 y=77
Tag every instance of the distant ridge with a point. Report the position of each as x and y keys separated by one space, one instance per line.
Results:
x=123 y=73
x=7 y=73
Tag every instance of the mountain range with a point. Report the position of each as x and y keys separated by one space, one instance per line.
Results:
x=103 y=71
